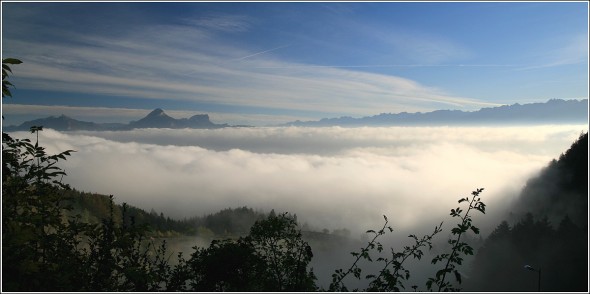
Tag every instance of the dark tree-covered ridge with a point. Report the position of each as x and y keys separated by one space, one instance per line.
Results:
x=549 y=233
x=561 y=189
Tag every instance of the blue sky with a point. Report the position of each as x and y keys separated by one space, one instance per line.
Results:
x=266 y=63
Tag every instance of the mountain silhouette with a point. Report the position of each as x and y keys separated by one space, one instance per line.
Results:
x=552 y=111
x=159 y=119
x=61 y=123
x=155 y=119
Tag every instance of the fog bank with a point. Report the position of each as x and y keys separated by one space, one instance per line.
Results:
x=330 y=177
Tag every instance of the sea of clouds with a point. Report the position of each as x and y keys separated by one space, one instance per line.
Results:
x=330 y=177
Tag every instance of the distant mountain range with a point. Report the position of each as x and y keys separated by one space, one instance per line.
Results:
x=552 y=111
x=155 y=119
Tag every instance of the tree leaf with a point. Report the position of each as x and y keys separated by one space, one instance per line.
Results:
x=11 y=61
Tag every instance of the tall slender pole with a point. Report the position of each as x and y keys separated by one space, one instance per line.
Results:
x=539 y=282
x=530 y=268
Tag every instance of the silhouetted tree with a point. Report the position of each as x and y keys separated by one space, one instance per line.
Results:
x=561 y=255
x=560 y=189
x=227 y=266
x=277 y=240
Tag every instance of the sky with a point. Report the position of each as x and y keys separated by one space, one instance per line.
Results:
x=268 y=63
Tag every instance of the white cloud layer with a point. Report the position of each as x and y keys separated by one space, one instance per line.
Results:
x=331 y=177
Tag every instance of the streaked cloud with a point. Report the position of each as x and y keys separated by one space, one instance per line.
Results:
x=171 y=63
x=422 y=47
x=575 y=51
x=261 y=52
x=222 y=22
x=159 y=75
x=337 y=60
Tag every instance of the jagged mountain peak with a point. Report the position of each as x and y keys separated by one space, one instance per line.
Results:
x=157 y=112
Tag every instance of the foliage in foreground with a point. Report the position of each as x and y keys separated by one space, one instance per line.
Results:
x=393 y=274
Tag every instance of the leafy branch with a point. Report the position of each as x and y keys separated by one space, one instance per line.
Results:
x=339 y=275
x=454 y=258
x=388 y=281
x=5 y=70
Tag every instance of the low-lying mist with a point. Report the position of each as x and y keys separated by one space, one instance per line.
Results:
x=330 y=177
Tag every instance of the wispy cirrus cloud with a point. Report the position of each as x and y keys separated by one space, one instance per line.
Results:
x=222 y=22
x=158 y=73
x=261 y=52
x=405 y=43
x=187 y=63
x=424 y=48
x=354 y=60
x=573 y=52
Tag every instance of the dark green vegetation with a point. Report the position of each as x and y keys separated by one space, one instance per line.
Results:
x=561 y=189
x=57 y=239
x=550 y=232
x=228 y=222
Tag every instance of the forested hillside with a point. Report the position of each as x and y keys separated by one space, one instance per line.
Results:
x=561 y=189
x=550 y=233
x=229 y=222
